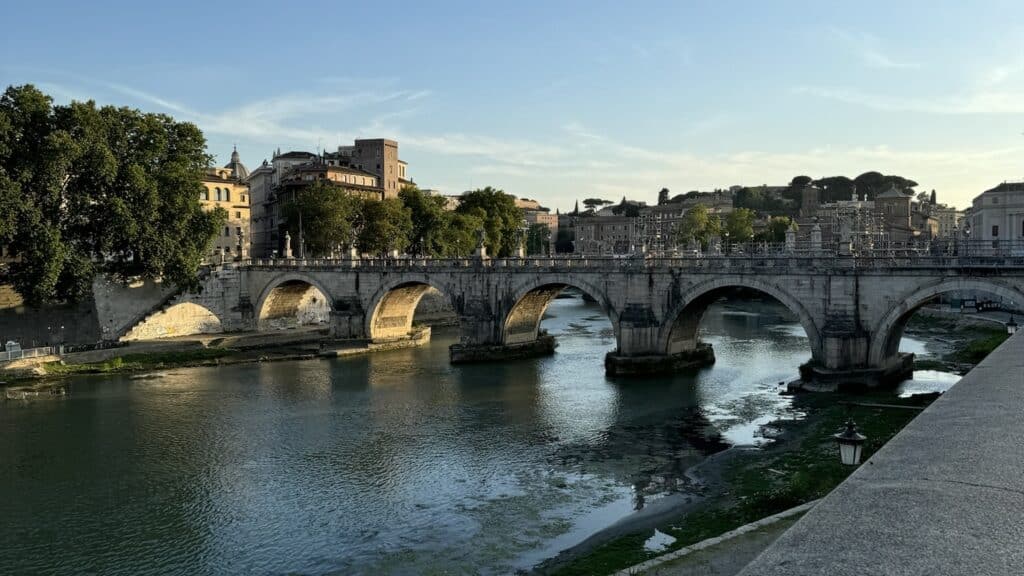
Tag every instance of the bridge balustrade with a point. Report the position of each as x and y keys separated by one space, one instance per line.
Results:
x=944 y=254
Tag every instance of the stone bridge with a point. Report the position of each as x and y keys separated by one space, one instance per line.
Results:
x=852 y=308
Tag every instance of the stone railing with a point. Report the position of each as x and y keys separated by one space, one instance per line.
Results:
x=891 y=257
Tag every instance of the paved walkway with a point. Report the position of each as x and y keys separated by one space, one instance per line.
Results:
x=945 y=496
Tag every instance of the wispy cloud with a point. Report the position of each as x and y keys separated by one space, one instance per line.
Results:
x=869 y=50
x=980 y=101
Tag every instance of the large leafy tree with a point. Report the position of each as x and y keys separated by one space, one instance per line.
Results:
x=86 y=188
x=500 y=216
x=325 y=216
x=739 y=224
x=459 y=234
x=386 y=226
x=429 y=221
x=698 y=225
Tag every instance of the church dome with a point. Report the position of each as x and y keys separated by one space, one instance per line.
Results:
x=238 y=170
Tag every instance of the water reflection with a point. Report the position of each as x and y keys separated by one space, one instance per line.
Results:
x=395 y=463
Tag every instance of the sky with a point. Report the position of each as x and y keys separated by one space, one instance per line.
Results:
x=564 y=100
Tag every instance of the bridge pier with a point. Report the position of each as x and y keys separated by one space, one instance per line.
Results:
x=845 y=361
x=616 y=364
x=463 y=353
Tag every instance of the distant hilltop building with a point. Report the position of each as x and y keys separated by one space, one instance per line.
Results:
x=227 y=188
x=370 y=169
x=893 y=216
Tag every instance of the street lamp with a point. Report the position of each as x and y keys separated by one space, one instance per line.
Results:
x=1011 y=326
x=851 y=444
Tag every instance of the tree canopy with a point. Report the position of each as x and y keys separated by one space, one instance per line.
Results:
x=500 y=217
x=387 y=226
x=85 y=189
x=739 y=225
x=595 y=203
x=698 y=225
x=325 y=216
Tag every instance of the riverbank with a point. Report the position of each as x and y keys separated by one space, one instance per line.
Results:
x=199 y=351
x=955 y=342
x=742 y=484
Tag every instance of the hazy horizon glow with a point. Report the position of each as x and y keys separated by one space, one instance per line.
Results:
x=568 y=100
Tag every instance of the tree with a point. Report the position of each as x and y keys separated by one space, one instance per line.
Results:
x=800 y=181
x=458 y=237
x=835 y=188
x=538 y=238
x=698 y=225
x=500 y=217
x=428 y=221
x=386 y=226
x=327 y=214
x=85 y=189
x=739 y=224
x=663 y=196
x=776 y=229
x=595 y=203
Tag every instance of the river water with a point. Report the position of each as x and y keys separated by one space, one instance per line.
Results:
x=393 y=463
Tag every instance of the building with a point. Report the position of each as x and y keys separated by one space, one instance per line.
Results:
x=369 y=169
x=997 y=215
x=378 y=156
x=892 y=217
x=226 y=188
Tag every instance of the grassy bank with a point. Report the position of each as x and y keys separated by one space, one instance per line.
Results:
x=970 y=340
x=137 y=362
x=802 y=466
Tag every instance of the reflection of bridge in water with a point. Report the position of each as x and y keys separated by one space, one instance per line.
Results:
x=852 y=307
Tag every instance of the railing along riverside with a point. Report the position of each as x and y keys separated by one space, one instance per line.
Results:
x=26 y=353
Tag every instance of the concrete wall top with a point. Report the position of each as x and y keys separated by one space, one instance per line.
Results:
x=944 y=496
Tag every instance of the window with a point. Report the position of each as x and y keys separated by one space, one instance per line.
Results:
x=238 y=214
x=995 y=230
x=227 y=231
x=995 y=200
x=217 y=191
x=205 y=194
x=227 y=195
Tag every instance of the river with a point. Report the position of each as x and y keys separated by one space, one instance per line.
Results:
x=393 y=463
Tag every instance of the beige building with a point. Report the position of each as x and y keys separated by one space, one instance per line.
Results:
x=370 y=169
x=226 y=188
x=998 y=214
x=377 y=156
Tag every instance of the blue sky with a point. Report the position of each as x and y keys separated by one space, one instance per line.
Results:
x=564 y=100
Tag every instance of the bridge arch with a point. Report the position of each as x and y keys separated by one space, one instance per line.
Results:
x=392 y=307
x=680 y=333
x=886 y=336
x=291 y=299
x=531 y=299
x=182 y=319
